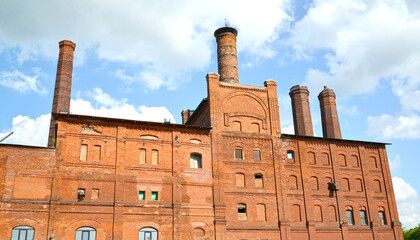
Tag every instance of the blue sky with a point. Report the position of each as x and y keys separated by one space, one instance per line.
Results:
x=148 y=60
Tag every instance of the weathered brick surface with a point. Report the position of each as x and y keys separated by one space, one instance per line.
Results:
x=283 y=180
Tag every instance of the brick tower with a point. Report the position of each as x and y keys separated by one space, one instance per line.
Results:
x=226 y=54
x=330 y=124
x=301 y=111
x=62 y=91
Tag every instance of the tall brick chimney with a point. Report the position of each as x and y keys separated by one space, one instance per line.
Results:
x=329 y=116
x=62 y=91
x=226 y=54
x=301 y=111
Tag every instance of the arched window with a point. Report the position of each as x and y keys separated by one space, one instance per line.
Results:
x=293 y=183
x=290 y=156
x=325 y=159
x=318 y=213
x=195 y=160
x=148 y=234
x=258 y=180
x=346 y=185
x=255 y=127
x=85 y=233
x=240 y=180
x=296 y=215
x=261 y=216
x=242 y=211
x=314 y=183
x=23 y=233
x=311 y=158
x=350 y=218
x=236 y=126
x=342 y=160
x=382 y=217
x=363 y=216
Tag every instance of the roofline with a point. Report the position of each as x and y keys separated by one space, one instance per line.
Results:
x=196 y=111
x=331 y=139
x=59 y=116
x=21 y=145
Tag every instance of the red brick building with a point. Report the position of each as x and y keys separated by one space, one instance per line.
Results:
x=226 y=172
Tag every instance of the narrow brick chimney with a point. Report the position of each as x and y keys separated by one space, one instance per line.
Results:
x=186 y=114
x=329 y=116
x=226 y=54
x=62 y=91
x=301 y=111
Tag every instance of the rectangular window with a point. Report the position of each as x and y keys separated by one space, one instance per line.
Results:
x=154 y=195
x=142 y=156
x=257 y=155
x=238 y=154
x=350 y=220
x=195 y=160
x=155 y=157
x=83 y=152
x=95 y=194
x=97 y=153
x=142 y=195
x=363 y=219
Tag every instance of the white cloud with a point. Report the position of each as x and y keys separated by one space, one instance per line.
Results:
x=21 y=82
x=408 y=202
x=288 y=130
x=394 y=127
x=363 y=42
x=395 y=163
x=29 y=131
x=106 y=106
x=163 y=42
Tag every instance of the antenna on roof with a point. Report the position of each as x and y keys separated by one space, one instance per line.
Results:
x=226 y=23
x=8 y=135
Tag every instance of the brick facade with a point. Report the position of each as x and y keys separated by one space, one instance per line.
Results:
x=226 y=173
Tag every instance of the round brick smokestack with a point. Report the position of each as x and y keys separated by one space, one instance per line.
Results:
x=226 y=54
x=62 y=91
x=329 y=116
x=301 y=111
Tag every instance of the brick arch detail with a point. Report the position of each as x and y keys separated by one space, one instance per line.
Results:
x=70 y=232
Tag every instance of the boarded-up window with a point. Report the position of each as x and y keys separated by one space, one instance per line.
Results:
x=97 y=153
x=325 y=159
x=240 y=180
x=258 y=180
x=342 y=160
x=261 y=216
x=317 y=213
x=142 y=156
x=358 y=185
x=296 y=215
x=354 y=161
x=311 y=158
x=238 y=154
x=377 y=185
x=332 y=213
x=155 y=157
x=195 y=160
x=242 y=212
x=313 y=182
x=255 y=127
x=373 y=162
x=346 y=184
x=236 y=126
x=83 y=152
x=257 y=155
x=95 y=194
x=293 y=184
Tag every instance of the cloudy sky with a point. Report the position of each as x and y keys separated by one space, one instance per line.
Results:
x=147 y=60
